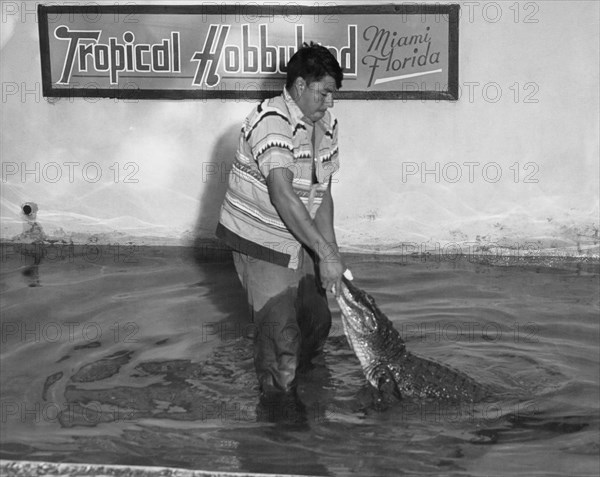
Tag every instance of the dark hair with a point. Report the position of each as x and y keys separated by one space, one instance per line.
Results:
x=312 y=62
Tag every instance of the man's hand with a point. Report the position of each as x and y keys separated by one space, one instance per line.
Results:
x=331 y=269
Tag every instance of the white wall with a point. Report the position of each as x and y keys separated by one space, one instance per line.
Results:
x=175 y=144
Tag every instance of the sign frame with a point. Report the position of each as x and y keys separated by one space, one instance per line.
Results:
x=450 y=93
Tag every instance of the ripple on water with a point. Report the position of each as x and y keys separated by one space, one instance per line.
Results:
x=182 y=393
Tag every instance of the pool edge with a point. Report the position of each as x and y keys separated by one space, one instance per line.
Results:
x=21 y=468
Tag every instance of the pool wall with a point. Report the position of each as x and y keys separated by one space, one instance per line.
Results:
x=513 y=163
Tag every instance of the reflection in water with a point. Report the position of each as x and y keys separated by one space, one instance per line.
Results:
x=31 y=242
x=32 y=252
x=149 y=362
x=32 y=274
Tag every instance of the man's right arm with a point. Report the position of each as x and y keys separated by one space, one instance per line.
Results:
x=297 y=219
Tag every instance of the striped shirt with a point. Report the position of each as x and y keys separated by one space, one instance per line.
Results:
x=275 y=135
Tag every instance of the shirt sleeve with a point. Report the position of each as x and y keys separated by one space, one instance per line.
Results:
x=270 y=139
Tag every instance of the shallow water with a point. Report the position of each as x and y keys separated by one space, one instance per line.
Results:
x=141 y=356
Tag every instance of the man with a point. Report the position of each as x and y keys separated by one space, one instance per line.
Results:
x=277 y=216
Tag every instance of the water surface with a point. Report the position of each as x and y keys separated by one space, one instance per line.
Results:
x=141 y=356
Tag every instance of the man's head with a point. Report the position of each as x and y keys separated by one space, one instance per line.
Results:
x=313 y=75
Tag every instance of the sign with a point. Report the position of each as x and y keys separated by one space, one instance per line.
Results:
x=241 y=51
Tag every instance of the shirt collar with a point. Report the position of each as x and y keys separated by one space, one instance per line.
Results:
x=295 y=112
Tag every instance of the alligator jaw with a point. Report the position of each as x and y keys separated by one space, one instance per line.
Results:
x=356 y=311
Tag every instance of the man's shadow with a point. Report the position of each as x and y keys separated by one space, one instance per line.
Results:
x=212 y=257
x=215 y=173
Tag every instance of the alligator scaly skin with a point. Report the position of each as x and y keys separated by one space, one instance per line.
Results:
x=386 y=362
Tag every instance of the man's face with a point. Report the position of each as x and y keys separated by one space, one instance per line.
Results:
x=313 y=99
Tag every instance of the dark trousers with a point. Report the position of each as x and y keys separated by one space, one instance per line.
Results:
x=291 y=317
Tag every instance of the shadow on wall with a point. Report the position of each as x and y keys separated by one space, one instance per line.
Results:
x=216 y=262
x=215 y=171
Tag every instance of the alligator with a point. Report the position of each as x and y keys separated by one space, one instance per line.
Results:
x=391 y=370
